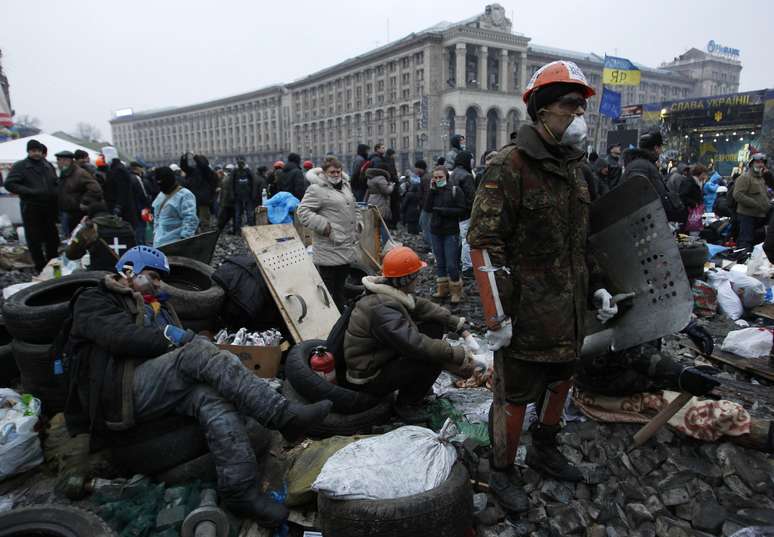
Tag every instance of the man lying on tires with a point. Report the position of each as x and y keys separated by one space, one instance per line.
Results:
x=132 y=362
x=393 y=339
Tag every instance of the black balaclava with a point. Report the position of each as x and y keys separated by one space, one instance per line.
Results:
x=166 y=179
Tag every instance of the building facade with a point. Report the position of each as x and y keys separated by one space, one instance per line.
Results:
x=411 y=94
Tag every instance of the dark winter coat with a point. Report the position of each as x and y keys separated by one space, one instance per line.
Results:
x=751 y=196
x=34 y=181
x=109 y=338
x=690 y=193
x=600 y=179
x=121 y=193
x=383 y=328
x=451 y=155
x=291 y=179
x=424 y=187
x=141 y=197
x=200 y=179
x=721 y=207
x=356 y=179
x=532 y=215
x=447 y=207
x=411 y=204
x=244 y=184
x=642 y=162
x=111 y=230
x=590 y=178
x=614 y=172
x=463 y=179
x=380 y=191
x=73 y=184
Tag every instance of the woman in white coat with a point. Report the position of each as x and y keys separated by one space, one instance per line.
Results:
x=330 y=211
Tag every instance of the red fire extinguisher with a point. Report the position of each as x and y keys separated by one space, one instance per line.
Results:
x=323 y=364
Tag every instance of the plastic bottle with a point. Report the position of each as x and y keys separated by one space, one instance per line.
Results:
x=324 y=364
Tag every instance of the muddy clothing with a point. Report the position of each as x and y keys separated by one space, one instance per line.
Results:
x=128 y=373
x=73 y=184
x=106 y=240
x=639 y=369
x=532 y=215
x=751 y=196
x=383 y=328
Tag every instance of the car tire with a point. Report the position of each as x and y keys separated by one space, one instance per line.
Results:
x=694 y=256
x=155 y=446
x=343 y=424
x=36 y=313
x=445 y=511
x=9 y=371
x=36 y=369
x=192 y=291
x=53 y=520
x=313 y=387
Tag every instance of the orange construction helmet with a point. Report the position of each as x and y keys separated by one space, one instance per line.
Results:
x=401 y=261
x=278 y=165
x=558 y=71
x=100 y=161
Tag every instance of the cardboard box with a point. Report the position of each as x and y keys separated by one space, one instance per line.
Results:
x=263 y=361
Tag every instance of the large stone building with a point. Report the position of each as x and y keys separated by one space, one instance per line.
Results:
x=411 y=94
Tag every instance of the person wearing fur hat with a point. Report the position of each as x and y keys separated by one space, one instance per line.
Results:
x=34 y=181
x=329 y=209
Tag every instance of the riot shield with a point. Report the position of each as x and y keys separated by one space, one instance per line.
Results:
x=633 y=244
x=199 y=247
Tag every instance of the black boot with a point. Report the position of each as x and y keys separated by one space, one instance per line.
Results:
x=509 y=490
x=544 y=457
x=256 y=506
x=412 y=413
x=298 y=419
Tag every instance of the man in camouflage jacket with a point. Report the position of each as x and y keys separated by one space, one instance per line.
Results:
x=528 y=232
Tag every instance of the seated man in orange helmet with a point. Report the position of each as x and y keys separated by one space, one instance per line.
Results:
x=393 y=340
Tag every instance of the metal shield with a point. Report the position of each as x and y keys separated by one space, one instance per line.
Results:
x=635 y=247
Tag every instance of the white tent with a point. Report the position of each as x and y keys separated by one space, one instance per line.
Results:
x=14 y=150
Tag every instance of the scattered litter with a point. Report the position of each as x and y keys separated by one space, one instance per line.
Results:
x=741 y=323
x=728 y=300
x=267 y=338
x=409 y=460
x=748 y=342
x=19 y=443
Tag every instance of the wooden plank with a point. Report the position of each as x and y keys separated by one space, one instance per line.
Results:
x=755 y=367
x=658 y=421
x=766 y=311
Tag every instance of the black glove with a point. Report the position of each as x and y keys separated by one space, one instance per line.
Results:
x=698 y=380
x=700 y=337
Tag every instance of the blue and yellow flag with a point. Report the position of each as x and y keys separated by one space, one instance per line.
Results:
x=620 y=71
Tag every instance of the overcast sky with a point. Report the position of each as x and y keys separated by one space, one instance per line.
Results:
x=80 y=60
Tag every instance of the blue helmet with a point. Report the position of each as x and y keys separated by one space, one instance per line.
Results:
x=142 y=257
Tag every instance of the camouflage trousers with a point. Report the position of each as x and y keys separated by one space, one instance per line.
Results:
x=212 y=386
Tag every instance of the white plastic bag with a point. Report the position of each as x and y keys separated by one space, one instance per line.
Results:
x=409 y=460
x=759 y=266
x=749 y=342
x=19 y=444
x=728 y=300
x=751 y=291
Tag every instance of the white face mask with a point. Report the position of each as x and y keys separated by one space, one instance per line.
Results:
x=575 y=134
x=334 y=180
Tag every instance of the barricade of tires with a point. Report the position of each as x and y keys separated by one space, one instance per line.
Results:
x=353 y=412
x=194 y=295
x=33 y=317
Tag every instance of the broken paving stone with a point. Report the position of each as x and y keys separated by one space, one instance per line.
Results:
x=733 y=501
x=752 y=467
x=582 y=491
x=684 y=511
x=665 y=524
x=762 y=517
x=566 y=520
x=678 y=479
x=664 y=436
x=597 y=530
x=646 y=530
x=570 y=439
x=675 y=496
x=638 y=514
x=530 y=476
x=537 y=515
x=479 y=502
x=171 y=517
x=594 y=452
x=632 y=491
x=573 y=455
x=500 y=530
x=730 y=527
x=708 y=516
x=554 y=490
x=705 y=470
x=655 y=507
x=490 y=516
x=593 y=473
x=734 y=482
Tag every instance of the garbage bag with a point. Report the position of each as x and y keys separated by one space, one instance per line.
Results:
x=308 y=464
x=759 y=266
x=751 y=291
x=749 y=342
x=467 y=418
x=409 y=460
x=729 y=302
x=19 y=444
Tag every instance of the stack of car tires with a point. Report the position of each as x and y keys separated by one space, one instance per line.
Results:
x=353 y=411
x=194 y=295
x=33 y=317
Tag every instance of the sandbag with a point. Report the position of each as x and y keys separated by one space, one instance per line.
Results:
x=749 y=342
x=407 y=461
x=729 y=302
x=308 y=464
x=19 y=443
